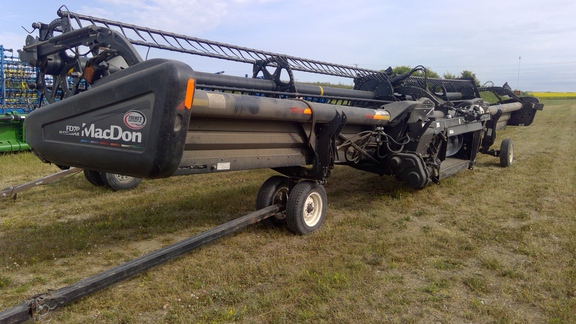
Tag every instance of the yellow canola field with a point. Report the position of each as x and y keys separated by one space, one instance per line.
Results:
x=549 y=95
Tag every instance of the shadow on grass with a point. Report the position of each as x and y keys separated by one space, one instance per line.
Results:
x=147 y=217
x=117 y=217
x=350 y=188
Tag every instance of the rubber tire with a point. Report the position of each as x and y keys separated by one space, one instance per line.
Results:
x=274 y=190
x=454 y=145
x=118 y=182
x=93 y=177
x=305 y=195
x=506 y=153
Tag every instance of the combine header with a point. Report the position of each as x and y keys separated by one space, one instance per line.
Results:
x=121 y=118
x=112 y=113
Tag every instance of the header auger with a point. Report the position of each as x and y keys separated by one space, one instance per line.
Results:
x=111 y=112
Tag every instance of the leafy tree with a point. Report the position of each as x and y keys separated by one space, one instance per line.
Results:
x=432 y=74
x=466 y=74
x=449 y=75
x=405 y=68
x=401 y=69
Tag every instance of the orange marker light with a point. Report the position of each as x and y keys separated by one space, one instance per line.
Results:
x=89 y=74
x=190 y=87
x=298 y=110
x=377 y=117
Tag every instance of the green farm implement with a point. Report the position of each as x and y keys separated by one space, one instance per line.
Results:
x=17 y=99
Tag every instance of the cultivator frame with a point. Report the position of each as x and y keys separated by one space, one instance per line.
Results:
x=16 y=100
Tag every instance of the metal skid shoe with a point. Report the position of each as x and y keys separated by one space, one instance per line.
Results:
x=304 y=203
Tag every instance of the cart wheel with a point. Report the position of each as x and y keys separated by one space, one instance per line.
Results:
x=306 y=208
x=93 y=177
x=506 y=153
x=119 y=182
x=274 y=191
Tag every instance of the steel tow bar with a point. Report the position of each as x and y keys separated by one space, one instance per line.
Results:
x=40 y=305
x=14 y=190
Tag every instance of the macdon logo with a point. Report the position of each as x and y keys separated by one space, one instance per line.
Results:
x=134 y=119
x=112 y=133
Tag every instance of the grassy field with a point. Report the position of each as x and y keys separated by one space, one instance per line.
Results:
x=491 y=245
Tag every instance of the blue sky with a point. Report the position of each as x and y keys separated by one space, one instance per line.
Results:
x=529 y=44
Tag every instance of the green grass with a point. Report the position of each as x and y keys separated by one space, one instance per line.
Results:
x=487 y=245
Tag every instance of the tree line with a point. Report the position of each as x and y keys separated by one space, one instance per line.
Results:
x=466 y=74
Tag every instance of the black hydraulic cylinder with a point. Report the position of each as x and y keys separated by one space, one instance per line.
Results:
x=333 y=92
x=222 y=80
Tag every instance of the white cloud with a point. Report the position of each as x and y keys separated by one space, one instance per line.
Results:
x=11 y=41
x=180 y=16
x=447 y=35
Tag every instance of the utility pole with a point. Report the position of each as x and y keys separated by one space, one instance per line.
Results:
x=518 y=81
